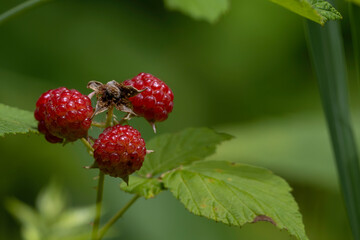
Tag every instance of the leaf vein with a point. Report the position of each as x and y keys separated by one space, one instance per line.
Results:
x=212 y=195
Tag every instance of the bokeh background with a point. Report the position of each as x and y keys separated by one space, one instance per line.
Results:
x=249 y=75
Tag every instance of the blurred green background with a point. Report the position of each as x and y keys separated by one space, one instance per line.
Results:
x=249 y=75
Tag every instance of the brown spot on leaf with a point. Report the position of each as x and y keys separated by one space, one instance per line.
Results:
x=203 y=205
x=264 y=218
x=210 y=180
x=218 y=170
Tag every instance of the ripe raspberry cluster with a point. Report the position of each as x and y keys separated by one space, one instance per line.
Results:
x=119 y=150
x=63 y=114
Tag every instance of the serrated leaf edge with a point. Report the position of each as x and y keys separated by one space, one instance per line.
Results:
x=255 y=215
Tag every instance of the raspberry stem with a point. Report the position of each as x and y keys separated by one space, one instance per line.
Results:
x=87 y=145
x=109 y=117
x=99 y=197
x=118 y=215
x=99 y=125
x=100 y=187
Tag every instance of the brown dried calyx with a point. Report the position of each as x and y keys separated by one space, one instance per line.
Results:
x=113 y=94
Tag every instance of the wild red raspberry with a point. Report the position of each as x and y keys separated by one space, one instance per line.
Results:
x=156 y=102
x=63 y=113
x=119 y=151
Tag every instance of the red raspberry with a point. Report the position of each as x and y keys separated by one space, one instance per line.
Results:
x=156 y=102
x=119 y=151
x=63 y=113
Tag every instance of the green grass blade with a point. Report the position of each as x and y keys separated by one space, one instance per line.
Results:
x=326 y=49
x=354 y=14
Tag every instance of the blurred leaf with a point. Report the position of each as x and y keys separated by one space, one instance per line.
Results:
x=52 y=220
x=209 y=10
x=27 y=216
x=185 y=147
x=13 y=120
x=74 y=223
x=22 y=212
x=76 y=217
x=288 y=146
x=31 y=233
x=146 y=187
x=51 y=202
x=236 y=194
x=319 y=11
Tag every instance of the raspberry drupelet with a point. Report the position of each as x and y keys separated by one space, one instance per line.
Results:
x=63 y=114
x=119 y=151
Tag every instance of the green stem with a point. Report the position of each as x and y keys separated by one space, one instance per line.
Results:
x=109 y=117
x=87 y=145
x=19 y=9
x=118 y=215
x=99 y=125
x=100 y=187
x=99 y=197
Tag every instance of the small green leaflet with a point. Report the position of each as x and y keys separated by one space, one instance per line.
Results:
x=52 y=219
x=319 y=11
x=326 y=10
x=145 y=187
x=185 y=147
x=236 y=194
x=14 y=120
x=209 y=10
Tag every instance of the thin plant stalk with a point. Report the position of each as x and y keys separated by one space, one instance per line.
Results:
x=100 y=187
x=20 y=9
x=87 y=145
x=327 y=53
x=118 y=215
x=99 y=197
x=109 y=118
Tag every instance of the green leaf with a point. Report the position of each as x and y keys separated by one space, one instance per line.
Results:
x=75 y=218
x=209 y=10
x=52 y=219
x=319 y=11
x=13 y=120
x=286 y=145
x=22 y=212
x=30 y=220
x=236 y=194
x=73 y=223
x=51 y=202
x=146 y=187
x=185 y=147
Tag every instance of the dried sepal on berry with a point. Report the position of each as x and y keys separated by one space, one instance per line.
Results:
x=113 y=94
